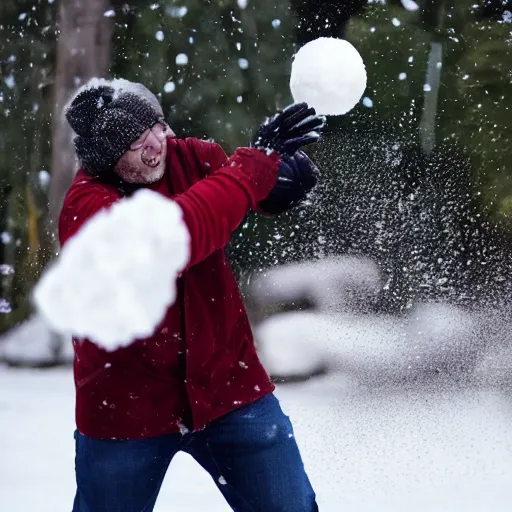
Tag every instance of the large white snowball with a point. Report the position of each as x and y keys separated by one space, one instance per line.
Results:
x=115 y=279
x=329 y=75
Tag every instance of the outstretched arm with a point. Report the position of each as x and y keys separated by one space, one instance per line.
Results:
x=212 y=208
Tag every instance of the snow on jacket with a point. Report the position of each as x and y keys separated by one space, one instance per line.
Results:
x=200 y=363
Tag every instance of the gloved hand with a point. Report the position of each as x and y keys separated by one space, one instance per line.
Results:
x=287 y=131
x=296 y=177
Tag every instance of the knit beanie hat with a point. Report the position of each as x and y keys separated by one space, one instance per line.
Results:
x=108 y=117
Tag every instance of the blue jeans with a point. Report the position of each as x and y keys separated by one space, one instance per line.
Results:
x=251 y=454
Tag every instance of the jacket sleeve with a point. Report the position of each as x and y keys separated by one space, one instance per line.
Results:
x=215 y=206
x=212 y=208
x=83 y=201
x=210 y=155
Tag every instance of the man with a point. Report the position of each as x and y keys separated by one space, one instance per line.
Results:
x=196 y=384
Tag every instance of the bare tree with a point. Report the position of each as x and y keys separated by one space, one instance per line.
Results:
x=83 y=51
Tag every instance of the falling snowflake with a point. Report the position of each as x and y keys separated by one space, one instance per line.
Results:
x=5 y=307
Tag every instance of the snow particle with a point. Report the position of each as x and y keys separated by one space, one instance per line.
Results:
x=10 y=81
x=367 y=102
x=427 y=87
x=183 y=429
x=177 y=12
x=6 y=238
x=182 y=59
x=222 y=481
x=410 y=5
x=44 y=178
x=243 y=63
x=465 y=77
x=110 y=13
x=242 y=3
x=160 y=35
x=276 y=23
x=410 y=59
x=239 y=99
x=243 y=365
x=22 y=16
x=6 y=270
x=396 y=22
x=169 y=87
x=5 y=307
x=154 y=7
x=257 y=388
x=402 y=76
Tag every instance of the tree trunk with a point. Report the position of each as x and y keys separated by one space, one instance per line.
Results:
x=432 y=19
x=83 y=51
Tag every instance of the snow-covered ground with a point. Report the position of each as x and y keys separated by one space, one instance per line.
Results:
x=396 y=449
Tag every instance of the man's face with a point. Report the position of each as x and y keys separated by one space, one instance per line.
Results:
x=144 y=163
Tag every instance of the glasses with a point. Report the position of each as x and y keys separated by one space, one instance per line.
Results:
x=160 y=130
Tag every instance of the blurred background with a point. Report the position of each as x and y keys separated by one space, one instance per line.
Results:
x=381 y=306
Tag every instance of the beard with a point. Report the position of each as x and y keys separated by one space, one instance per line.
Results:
x=140 y=173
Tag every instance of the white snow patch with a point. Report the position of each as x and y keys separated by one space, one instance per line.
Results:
x=331 y=284
x=433 y=337
x=329 y=75
x=6 y=270
x=10 y=81
x=367 y=102
x=177 y=12
x=44 y=178
x=169 y=87
x=34 y=343
x=422 y=450
x=5 y=306
x=410 y=5
x=6 y=237
x=507 y=17
x=182 y=59
x=115 y=279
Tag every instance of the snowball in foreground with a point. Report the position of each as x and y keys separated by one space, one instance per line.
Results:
x=329 y=75
x=115 y=279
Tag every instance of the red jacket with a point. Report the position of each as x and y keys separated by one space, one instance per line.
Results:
x=200 y=363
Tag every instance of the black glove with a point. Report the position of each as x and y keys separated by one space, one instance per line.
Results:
x=296 y=177
x=287 y=131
